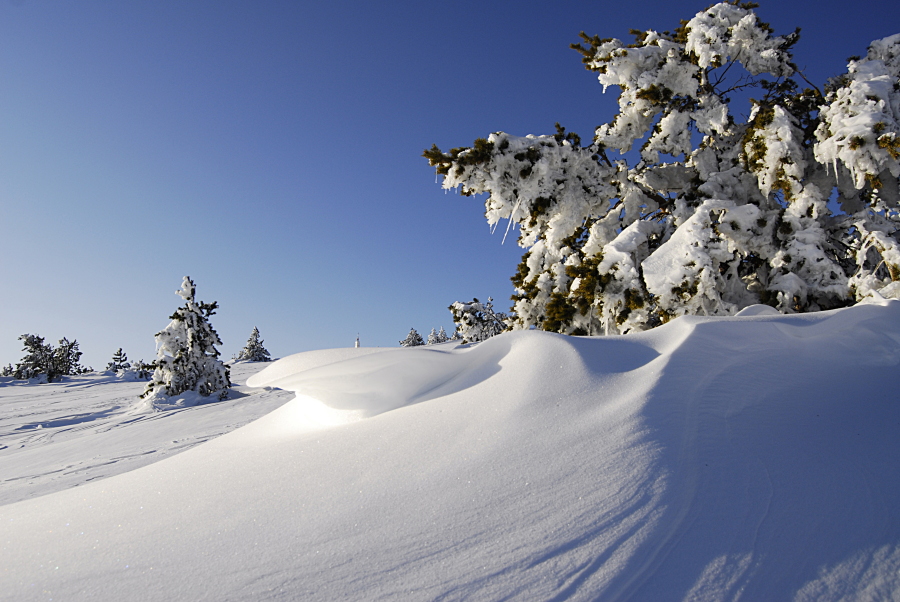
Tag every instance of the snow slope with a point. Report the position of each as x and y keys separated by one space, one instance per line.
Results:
x=708 y=459
x=60 y=435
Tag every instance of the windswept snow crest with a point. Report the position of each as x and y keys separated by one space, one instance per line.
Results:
x=751 y=457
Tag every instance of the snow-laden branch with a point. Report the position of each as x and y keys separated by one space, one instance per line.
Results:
x=795 y=206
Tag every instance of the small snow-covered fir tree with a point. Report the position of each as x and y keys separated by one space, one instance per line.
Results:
x=119 y=361
x=413 y=339
x=796 y=205
x=187 y=358
x=254 y=351
x=476 y=321
x=437 y=337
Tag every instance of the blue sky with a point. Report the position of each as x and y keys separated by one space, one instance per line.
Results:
x=272 y=151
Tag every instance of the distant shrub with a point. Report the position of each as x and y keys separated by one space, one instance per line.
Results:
x=44 y=360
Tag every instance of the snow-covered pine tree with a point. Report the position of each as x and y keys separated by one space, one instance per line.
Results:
x=436 y=337
x=43 y=359
x=476 y=321
x=8 y=370
x=254 y=351
x=38 y=358
x=119 y=361
x=717 y=212
x=413 y=339
x=187 y=358
x=66 y=358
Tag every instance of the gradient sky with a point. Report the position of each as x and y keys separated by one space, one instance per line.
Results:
x=272 y=151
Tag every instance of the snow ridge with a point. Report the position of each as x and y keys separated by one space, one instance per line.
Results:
x=710 y=458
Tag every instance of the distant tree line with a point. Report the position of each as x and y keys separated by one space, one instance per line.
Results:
x=475 y=322
x=414 y=339
x=187 y=358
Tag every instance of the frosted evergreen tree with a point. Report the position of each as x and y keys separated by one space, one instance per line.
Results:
x=413 y=339
x=119 y=361
x=38 y=358
x=7 y=370
x=476 y=321
x=435 y=338
x=66 y=358
x=254 y=351
x=44 y=359
x=187 y=358
x=716 y=211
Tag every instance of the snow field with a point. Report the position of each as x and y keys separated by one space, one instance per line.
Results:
x=88 y=427
x=711 y=458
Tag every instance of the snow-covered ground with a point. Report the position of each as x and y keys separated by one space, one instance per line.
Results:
x=754 y=457
x=60 y=435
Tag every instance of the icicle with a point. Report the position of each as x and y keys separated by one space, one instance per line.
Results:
x=509 y=223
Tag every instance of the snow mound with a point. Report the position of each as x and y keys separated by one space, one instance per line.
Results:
x=708 y=459
x=368 y=385
x=757 y=310
x=292 y=364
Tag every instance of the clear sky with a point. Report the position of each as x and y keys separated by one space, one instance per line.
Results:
x=272 y=151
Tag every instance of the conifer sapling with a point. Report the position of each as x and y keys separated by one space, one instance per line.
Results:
x=413 y=339
x=119 y=361
x=187 y=358
x=254 y=351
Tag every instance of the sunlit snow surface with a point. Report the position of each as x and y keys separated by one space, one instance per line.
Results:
x=711 y=458
x=60 y=435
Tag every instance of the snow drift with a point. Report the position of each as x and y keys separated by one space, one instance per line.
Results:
x=711 y=458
